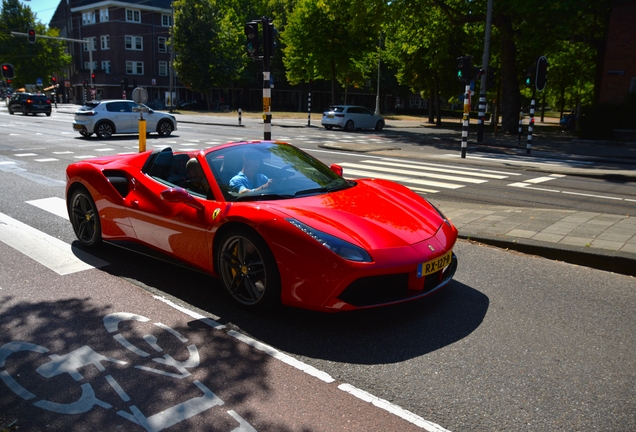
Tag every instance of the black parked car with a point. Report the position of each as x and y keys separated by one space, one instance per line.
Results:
x=29 y=103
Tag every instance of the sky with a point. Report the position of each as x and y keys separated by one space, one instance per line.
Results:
x=43 y=9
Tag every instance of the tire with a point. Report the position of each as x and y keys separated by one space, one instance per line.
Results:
x=85 y=218
x=85 y=134
x=248 y=270
x=105 y=130
x=328 y=127
x=48 y=114
x=164 y=128
x=10 y=111
x=24 y=111
x=379 y=125
x=349 y=126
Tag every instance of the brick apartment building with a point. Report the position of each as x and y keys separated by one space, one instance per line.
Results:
x=128 y=42
x=619 y=66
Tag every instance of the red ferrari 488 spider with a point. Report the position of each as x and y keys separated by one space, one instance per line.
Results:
x=275 y=224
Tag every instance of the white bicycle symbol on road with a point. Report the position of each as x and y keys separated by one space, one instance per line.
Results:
x=71 y=362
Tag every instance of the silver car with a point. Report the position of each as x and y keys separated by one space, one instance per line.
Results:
x=350 y=117
x=106 y=118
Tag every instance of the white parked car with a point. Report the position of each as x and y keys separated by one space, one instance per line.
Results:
x=106 y=118
x=350 y=117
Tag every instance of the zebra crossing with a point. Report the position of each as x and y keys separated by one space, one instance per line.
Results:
x=422 y=177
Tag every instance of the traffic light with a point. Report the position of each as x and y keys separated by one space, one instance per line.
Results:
x=529 y=76
x=31 y=35
x=93 y=77
x=53 y=80
x=542 y=73
x=251 y=32
x=465 y=70
x=269 y=39
x=7 y=71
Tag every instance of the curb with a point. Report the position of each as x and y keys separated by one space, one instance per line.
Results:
x=617 y=262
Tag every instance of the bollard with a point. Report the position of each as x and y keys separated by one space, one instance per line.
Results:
x=240 y=111
x=142 y=135
x=309 y=109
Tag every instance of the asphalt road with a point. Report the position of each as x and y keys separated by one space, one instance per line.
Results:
x=516 y=342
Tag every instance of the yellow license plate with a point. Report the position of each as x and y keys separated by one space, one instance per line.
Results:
x=435 y=265
x=329 y=115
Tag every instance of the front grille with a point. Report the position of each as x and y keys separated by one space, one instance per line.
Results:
x=378 y=290
x=374 y=290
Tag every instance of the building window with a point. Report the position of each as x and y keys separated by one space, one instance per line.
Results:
x=162 y=44
x=163 y=68
x=88 y=17
x=87 y=65
x=134 y=43
x=134 y=68
x=133 y=15
x=106 y=66
x=103 y=15
x=166 y=20
x=105 y=42
x=92 y=43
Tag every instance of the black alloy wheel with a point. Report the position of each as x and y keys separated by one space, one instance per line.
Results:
x=248 y=270
x=85 y=219
x=105 y=130
x=165 y=128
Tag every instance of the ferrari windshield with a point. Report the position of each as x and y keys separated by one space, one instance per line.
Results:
x=265 y=170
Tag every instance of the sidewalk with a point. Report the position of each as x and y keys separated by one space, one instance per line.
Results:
x=592 y=239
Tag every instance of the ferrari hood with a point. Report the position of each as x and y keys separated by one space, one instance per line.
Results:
x=373 y=214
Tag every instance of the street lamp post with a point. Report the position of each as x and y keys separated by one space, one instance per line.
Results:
x=377 y=97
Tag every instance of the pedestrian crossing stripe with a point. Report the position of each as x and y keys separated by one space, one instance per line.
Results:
x=428 y=167
x=53 y=253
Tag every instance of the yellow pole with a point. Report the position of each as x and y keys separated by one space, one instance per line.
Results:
x=142 y=135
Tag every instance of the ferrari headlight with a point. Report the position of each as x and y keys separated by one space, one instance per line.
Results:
x=338 y=246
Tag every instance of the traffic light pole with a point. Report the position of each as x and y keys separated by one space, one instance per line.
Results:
x=484 y=77
x=466 y=120
x=267 y=90
x=90 y=51
x=531 y=122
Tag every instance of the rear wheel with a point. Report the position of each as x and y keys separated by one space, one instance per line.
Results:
x=84 y=218
x=248 y=269
x=349 y=126
x=85 y=134
x=48 y=114
x=105 y=130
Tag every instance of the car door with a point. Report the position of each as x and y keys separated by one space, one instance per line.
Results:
x=121 y=115
x=366 y=118
x=167 y=217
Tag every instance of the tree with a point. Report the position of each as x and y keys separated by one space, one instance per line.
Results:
x=31 y=61
x=207 y=39
x=329 y=40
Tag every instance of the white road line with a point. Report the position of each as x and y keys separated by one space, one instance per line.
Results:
x=402 y=179
x=524 y=160
x=432 y=168
x=410 y=173
x=25 y=154
x=49 y=251
x=527 y=186
x=54 y=205
x=46 y=160
x=314 y=372
x=540 y=179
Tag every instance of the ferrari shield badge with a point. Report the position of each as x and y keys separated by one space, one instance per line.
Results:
x=216 y=213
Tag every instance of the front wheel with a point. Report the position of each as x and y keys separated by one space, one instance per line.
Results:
x=165 y=128
x=379 y=125
x=248 y=269
x=84 y=218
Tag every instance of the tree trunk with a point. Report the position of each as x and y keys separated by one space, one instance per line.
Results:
x=431 y=102
x=333 y=83
x=510 y=98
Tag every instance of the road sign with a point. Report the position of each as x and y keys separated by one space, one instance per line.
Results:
x=38 y=81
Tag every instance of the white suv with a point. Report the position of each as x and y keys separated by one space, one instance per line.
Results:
x=106 y=118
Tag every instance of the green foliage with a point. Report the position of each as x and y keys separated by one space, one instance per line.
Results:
x=329 y=40
x=207 y=39
x=31 y=61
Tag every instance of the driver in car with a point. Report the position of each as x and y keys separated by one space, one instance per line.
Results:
x=249 y=179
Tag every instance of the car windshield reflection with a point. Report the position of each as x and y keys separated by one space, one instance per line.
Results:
x=266 y=171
